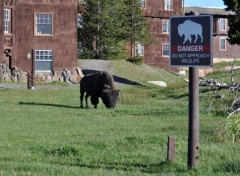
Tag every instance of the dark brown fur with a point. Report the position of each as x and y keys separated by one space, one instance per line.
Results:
x=94 y=85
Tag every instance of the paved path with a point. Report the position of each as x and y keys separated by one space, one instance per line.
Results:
x=93 y=65
x=87 y=66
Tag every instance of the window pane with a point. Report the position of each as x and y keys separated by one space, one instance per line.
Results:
x=44 y=29
x=142 y=3
x=43 y=60
x=222 y=24
x=165 y=27
x=168 y=4
x=44 y=66
x=165 y=49
x=222 y=44
x=139 y=50
x=44 y=24
x=6 y=18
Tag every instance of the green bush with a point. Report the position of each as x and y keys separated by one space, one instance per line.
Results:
x=136 y=60
x=232 y=127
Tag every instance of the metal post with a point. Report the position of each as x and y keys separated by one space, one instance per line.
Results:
x=193 y=135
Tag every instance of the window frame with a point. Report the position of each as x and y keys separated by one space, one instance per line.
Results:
x=139 y=46
x=79 y=21
x=35 y=24
x=167 y=26
x=168 y=5
x=143 y=3
x=223 y=24
x=220 y=44
x=7 y=21
x=45 y=58
x=164 y=49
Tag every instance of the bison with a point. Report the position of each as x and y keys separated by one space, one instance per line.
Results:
x=99 y=85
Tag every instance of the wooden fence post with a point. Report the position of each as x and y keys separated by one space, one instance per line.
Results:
x=171 y=149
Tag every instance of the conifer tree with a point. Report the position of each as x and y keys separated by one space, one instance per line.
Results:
x=107 y=25
x=234 y=21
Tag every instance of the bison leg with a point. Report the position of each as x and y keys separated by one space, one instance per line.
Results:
x=201 y=38
x=86 y=99
x=196 y=37
x=81 y=99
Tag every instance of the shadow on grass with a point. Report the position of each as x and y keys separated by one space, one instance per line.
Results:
x=48 y=104
x=158 y=168
x=229 y=167
x=117 y=79
x=178 y=96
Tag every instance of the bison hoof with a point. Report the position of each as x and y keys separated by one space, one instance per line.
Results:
x=81 y=106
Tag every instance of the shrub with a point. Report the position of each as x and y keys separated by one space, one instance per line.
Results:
x=232 y=127
x=136 y=60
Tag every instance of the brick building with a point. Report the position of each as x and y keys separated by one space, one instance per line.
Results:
x=41 y=28
x=222 y=50
x=158 y=14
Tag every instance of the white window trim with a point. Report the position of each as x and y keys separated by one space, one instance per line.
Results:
x=137 y=45
x=48 y=55
x=7 y=20
x=163 y=44
x=168 y=6
x=220 y=44
x=225 y=24
x=168 y=26
x=144 y=4
x=43 y=60
x=79 y=21
x=35 y=23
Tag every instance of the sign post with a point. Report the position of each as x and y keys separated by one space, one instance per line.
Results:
x=191 y=46
x=193 y=127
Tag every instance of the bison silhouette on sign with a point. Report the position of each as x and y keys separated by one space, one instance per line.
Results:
x=99 y=85
x=189 y=29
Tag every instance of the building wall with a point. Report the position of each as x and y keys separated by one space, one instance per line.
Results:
x=64 y=39
x=1 y=31
x=231 y=50
x=155 y=14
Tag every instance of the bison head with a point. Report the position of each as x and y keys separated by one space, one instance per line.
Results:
x=110 y=98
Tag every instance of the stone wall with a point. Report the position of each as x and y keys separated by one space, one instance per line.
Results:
x=16 y=74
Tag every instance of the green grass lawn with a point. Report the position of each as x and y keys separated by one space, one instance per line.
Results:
x=44 y=132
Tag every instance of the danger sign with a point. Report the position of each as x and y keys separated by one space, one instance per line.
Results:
x=191 y=41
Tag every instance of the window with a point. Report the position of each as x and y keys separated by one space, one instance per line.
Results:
x=222 y=43
x=222 y=24
x=139 y=49
x=43 y=60
x=168 y=4
x=7 y=16
x=79 y=21
x=143 y=3
x=165 y=26
x=165 y=49
x=43 y=24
